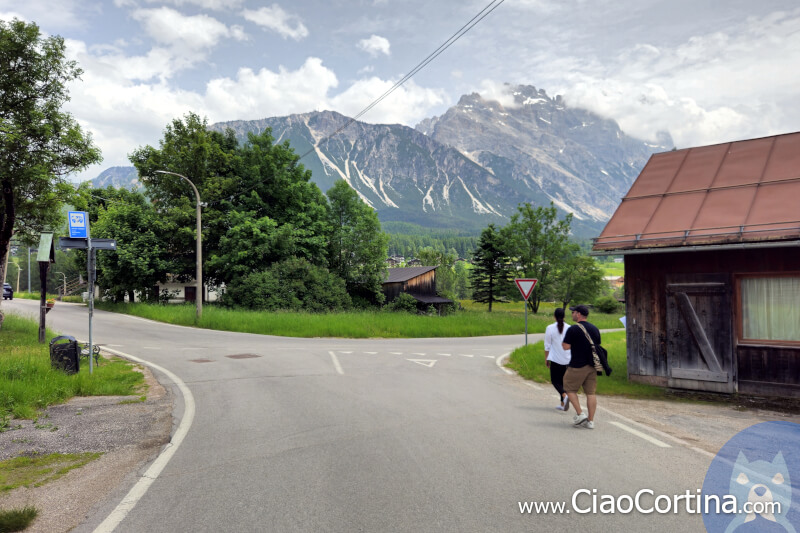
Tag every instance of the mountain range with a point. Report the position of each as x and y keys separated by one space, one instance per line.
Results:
x=469 y=167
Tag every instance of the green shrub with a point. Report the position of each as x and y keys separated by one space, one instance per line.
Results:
x=404 y=303
x=17 y=519
x=290 y=285
x=606 y=304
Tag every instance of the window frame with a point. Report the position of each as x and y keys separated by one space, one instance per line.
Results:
x=739 y=310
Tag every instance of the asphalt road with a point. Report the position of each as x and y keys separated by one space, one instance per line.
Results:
x=376 y=435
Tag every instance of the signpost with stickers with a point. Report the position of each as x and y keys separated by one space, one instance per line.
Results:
x=80 y=238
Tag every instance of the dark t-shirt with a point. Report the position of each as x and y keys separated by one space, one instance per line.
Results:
x=580 y=348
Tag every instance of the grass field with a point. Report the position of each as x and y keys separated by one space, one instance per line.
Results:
x=529 y=362
x=30 y=384
x=506 y=319
x=74 y=298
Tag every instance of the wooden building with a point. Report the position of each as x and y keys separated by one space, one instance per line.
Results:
x=419 y=282
x=711 y=239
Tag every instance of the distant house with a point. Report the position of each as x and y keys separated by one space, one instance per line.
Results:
x=615 y=282
x=711 y=240
x=419 y=282
x=393 y=261
x=414 y=263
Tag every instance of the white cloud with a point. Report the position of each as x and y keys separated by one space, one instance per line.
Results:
x=276 y=19
x=407 y=105
x=217 y=5
x=265 y=93
x=68 y=15
x=492 y=90
x=375 y=45
x=187 y=34
x=730 y=84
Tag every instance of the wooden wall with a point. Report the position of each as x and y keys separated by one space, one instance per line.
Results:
x=422 y=284
x=767 y=370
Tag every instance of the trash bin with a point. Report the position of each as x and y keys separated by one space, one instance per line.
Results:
x=65 y=355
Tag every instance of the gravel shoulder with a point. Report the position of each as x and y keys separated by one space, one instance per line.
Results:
x=130 y=435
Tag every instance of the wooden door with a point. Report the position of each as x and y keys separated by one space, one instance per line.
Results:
x=699 y=343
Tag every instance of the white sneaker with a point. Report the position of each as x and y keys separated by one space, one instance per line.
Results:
x=559 y=408
x=565 y=404
x=589 y=425
x=579 y=419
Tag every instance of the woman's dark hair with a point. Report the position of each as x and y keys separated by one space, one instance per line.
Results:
x=559 y=315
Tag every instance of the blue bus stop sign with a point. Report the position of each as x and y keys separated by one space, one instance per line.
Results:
x=78 y=224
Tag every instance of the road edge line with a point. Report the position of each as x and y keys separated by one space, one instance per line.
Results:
x=140 y=487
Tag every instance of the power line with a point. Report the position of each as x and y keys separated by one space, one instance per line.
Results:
x=483 y=13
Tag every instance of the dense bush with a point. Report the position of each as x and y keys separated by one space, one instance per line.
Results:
x=606 y=304
x=292 y=285
x=403 y=303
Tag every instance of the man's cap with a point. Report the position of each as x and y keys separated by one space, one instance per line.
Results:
x=582 y=309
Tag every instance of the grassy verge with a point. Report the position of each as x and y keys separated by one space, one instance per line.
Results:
x=364 y=324
x=30 y=384
x=74 y=298
x=529 y=362
x=38 y=470
x=17 y=519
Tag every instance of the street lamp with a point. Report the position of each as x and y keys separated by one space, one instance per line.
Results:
x=64 y=292
x=199 y=291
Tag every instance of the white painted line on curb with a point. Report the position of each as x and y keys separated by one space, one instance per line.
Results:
x=499 y=363
x=336 y=363
x=641 y=435
x=140 y=488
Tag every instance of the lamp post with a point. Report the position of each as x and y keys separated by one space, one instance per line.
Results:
x=63 y=292
x=199 y=291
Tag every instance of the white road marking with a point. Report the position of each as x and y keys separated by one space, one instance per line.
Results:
x=466 y=355
x=419 y=353
x=140 y=488
x=444 y=354
x=424 y=362
x=344 y=352
x=336 y=364
x=641 y=435
x=371 y=353
x=499 y=363
x=396 y=353
x=115 y=345
x=488 y=356
x=532 y=385
x=151 y=347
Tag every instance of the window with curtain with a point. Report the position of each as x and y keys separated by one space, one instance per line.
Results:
x=771 y=308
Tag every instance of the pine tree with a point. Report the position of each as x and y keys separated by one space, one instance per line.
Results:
x=490 y=275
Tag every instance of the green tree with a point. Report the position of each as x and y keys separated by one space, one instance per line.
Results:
x=293 y=284
x=578 y=279
x=445 y=273
x=246 y=188
x=141 y=259
x=39 y=143
x=357 y=249
x=538 y=243
x=490 y=275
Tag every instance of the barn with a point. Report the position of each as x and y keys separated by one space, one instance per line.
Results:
x=419 y=282
x=711 y=241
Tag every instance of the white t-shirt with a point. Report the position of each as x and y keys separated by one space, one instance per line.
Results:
x=552 y=344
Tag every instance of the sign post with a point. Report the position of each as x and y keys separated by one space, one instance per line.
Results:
x=79 y=238
x=525 y=286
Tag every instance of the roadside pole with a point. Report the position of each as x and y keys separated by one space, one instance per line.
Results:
x=525 y=286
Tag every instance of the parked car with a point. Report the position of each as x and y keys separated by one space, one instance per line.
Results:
x=8 y=292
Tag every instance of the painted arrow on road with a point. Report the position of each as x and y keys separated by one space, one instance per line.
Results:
x=424 y=362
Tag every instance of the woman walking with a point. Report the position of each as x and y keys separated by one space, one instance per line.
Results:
x=557 y=357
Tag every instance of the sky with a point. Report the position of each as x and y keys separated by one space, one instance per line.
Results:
x=706 y=71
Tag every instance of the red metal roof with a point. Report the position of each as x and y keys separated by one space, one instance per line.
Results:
x=734 y=192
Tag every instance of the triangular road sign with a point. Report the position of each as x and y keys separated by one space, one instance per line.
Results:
x=424 y=362
x=525 y=286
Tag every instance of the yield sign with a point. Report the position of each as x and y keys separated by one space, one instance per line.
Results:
x=424 y=362
x=525 y=286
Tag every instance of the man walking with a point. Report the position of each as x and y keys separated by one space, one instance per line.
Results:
x=581 y=371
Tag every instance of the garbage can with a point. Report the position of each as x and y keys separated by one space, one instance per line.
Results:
x=65 y=355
